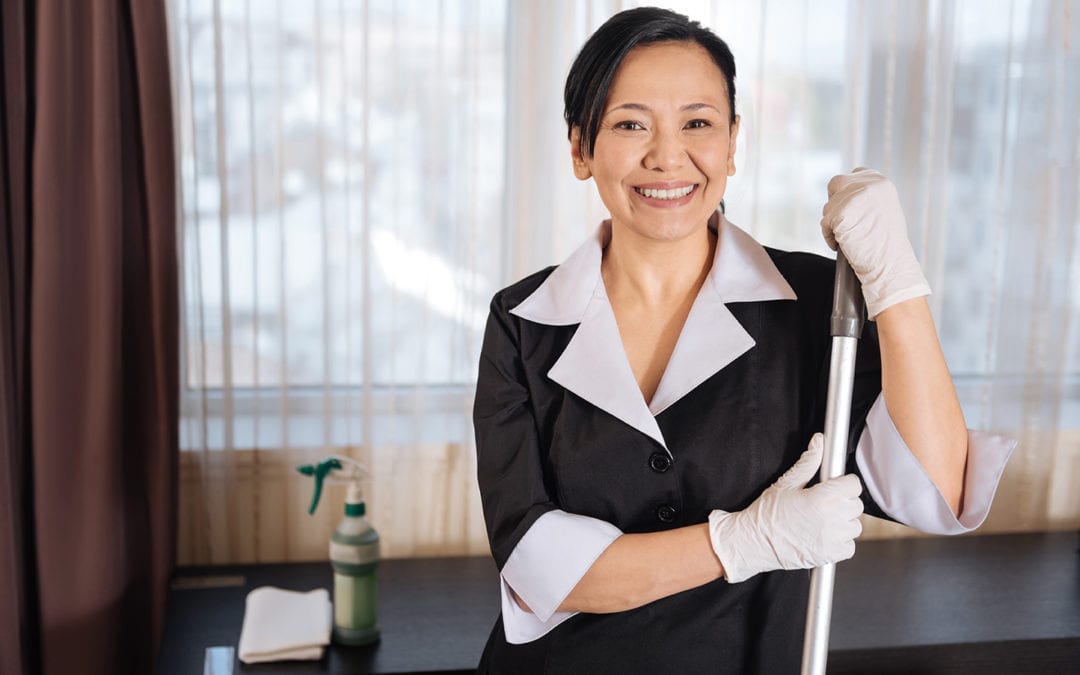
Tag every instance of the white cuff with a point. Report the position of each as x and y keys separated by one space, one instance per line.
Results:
x=917 y=290
x=899 y=485
x=547 y=563
x=520 y=626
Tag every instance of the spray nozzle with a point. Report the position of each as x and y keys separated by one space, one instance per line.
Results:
x=351 y=469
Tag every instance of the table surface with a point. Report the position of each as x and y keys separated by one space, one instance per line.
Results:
x=970 y=603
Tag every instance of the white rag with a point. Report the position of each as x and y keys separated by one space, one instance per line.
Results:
x=282 y=625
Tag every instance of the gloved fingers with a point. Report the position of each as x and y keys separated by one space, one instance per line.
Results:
x=826 y=231
x=846 y=551
x=838 y=544
x=838 y=215
x=838 y=187
x=837 y=508
x=873 y=187
x=806 y=468
x=867 y=188
x=851 y=509
x=836 y=183
x=858 y=177
x=847 y=528
x=836 y=500
x=843 y=201
x=847 y=486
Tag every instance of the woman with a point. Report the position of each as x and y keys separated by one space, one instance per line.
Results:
x=643 y=411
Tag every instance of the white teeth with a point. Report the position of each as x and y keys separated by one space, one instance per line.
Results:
x=666 y=194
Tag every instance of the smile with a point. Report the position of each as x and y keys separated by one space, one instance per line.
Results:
x=674 y=193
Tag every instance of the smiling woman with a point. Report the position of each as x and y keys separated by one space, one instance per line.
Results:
x=642 y=409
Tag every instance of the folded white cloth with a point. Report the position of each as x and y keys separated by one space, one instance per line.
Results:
x=282 y=625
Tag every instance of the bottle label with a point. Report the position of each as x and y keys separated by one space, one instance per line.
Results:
x=353 y=555
x=354 y=601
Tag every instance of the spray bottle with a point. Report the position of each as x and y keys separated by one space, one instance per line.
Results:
x=354 y=553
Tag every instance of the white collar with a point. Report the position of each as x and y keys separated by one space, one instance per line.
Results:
x=742 y=271
x=711 y=338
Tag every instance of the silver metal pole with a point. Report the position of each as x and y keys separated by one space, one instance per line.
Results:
x=846 y=327
x=837 y=419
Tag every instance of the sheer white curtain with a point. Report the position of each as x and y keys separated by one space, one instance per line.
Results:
x=360 y=176
x=342 y=210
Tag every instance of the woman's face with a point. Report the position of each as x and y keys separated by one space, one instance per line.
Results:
x=665 y=147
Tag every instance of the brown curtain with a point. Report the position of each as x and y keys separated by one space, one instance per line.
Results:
x=88 y=336
x=17 y=595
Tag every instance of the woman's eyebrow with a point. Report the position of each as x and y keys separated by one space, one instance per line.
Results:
x=689 y=107
x=698 y=106
x=631 y=106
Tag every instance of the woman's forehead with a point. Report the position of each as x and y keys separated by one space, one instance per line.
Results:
x=668 y=74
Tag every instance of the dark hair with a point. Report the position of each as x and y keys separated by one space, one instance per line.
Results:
x=590 y=78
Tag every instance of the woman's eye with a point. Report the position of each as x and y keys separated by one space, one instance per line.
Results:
x=628 y=126
x=698 y=124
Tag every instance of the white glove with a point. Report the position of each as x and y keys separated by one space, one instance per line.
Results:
x=863 y=215
x=790 y=526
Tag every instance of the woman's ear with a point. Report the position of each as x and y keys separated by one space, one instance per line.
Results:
x=731 y=146
x=581 y=165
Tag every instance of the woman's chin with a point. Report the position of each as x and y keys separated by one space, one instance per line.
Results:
x=668 y=228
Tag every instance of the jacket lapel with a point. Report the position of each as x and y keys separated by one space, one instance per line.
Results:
x=712 y=337
x=594 y=366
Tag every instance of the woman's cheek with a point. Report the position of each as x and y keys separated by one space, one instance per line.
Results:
x=713 y=163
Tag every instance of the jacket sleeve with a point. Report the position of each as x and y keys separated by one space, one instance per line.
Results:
x=895 y=486
x=897 y=482
x=541 y=551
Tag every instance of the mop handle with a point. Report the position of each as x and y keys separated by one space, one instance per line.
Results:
x=848 y=308
x=846 y=328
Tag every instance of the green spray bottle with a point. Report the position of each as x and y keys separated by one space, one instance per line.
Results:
x=354 y=553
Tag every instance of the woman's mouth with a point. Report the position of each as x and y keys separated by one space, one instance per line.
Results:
x=666 y=197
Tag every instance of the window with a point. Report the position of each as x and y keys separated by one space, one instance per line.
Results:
x=342 y=208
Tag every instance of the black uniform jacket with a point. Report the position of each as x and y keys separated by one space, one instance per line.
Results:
x=555 y=431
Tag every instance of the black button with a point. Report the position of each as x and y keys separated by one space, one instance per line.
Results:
x=659 y=462
x=666 y=514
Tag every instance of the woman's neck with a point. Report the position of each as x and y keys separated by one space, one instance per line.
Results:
x=653 y=272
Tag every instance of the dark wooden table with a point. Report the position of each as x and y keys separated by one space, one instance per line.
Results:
x=975 y=604
x=986 y=604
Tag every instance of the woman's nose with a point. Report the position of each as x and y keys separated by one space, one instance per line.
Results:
x=666 y=152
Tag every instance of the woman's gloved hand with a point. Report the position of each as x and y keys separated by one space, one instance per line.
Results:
x=864 y=217
x=790 y=526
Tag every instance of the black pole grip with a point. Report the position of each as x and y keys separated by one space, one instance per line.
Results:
x=848 y=308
